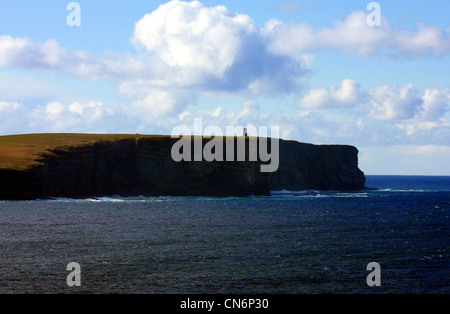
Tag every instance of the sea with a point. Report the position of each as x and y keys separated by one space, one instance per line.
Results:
x=292 y=242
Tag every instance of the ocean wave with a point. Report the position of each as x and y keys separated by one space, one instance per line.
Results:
x=285 y=194
x=101 y=199
x=407 y=190
x=316 y=194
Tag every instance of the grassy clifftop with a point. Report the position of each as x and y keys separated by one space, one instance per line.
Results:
x=22 y=152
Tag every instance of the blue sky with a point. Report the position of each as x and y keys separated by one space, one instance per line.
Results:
x=314 y=68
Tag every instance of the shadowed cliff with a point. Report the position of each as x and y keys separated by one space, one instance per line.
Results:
x=317 y=167
x=85 y=165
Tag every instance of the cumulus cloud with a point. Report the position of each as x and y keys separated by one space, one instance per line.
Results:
x=353 y=35
x=426 y=40
x=6 y=106
x=186 y=45
x=405 y=102
x=435 y=104
x=50 y=55
x=187 y=34
x=392 y=102
x=214 y=49
x=22 y=52
x=57 y=116
x=385 y=102
x=348 y=94
x=160 y=103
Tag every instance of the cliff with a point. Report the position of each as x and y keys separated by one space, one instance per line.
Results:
x=82 y=165
x=317 y=167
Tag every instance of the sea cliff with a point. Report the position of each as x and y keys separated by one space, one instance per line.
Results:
x=38 y=166
x=317 y=167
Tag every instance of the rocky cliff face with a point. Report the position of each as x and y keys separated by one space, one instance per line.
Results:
x=317 y=167
x=143 y=166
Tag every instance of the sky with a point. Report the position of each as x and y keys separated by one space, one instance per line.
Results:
x=324 y=72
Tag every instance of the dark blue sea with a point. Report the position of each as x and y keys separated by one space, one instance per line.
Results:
x=288 y=243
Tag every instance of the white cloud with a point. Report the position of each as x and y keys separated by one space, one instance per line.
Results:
x=159 y=103
x=427 y=39
x=187 y=34
x=26 y=54
x=353 y=35
x=402 y=103
x=392 y=102
x=6 y=106
x=53 y=110
x=21 y=52
x=187 y=45
x=348 y=94
x=413 y=127
x=94 y=109
x=214 y=49
x=381 y=102
x=56 y=116
x=435 y=104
